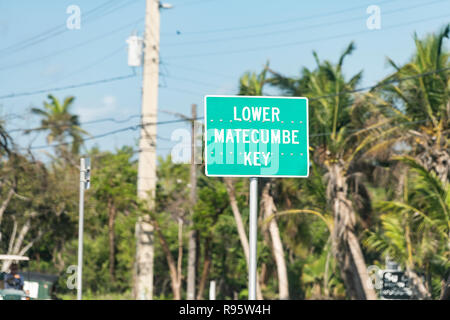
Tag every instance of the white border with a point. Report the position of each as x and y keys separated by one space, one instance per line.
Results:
x=262 y=176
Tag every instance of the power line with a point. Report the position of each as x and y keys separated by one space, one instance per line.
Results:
x=382 y=84
x=112 y=119
x=188 y=3
x=308 y=27
x=284 y=21
x=296 y=43
x=47 y=32
x=199 y=70
x=12 y=116
x=120 y=7
x=83 y=43
x=85 y=84
x=118 y=121
x=193 y=81
x=138 y=126
x=369 y=88
x=90 y=65
x=81 y=123
x=105 y=154
x=55 y=31
x=184 y=91
x=133 y=128
x=52 y=32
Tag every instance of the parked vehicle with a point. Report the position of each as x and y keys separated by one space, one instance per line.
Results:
x=30 y=286
x=12 y=284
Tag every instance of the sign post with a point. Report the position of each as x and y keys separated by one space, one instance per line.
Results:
x=85 y=180
x=251 y=136
x=253 y=238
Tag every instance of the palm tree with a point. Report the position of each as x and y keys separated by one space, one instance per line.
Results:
x=335 y=115
x=416 y=231
x=415 y=113
x=60 y=122
x=311 y=244
x=251 y=84
x=419 y=107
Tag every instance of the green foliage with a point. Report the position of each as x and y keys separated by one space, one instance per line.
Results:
x=373 y=137
x=212 y=201
x=251 y=84
x=415 y=232
x=319 y=277
x=424 y=98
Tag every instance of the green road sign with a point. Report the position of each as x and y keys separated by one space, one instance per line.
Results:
x=248 y=136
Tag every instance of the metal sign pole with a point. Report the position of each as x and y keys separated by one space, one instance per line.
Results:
x=212 y=290
x=80 y=230
x=253 y=238
x=84 y=184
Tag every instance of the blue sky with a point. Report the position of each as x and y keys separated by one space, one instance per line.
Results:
x=205 y=46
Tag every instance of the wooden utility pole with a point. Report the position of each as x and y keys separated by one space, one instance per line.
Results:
x=192 y=251
x=146 y=184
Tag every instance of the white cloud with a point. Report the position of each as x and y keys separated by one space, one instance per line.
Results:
x=105 y=109
x=109 y=102
x=52 y=70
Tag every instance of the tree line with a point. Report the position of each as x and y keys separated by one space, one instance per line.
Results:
x=378 y=191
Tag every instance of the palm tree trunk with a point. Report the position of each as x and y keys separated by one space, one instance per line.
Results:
x=241 y=230
x=419 y=289
x=277 y=245
x=436 y=159
x=174 y=267
x=346 y=246
x=445 y=292
x=205 y=270
x=263 y=275
x=111 y=224
x=180 y=259
x=442 y=166
x=5 y=203
x=360 y=265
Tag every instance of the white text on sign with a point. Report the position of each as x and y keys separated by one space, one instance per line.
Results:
x=256 y=136
x=255 y=113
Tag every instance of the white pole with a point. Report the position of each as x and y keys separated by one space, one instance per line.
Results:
x=80 y=229
x=146 y=181
x=253 y=238
x=212 y=290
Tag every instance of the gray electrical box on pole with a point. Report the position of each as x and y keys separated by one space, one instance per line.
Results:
x=135 y=50
x=87 y=172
